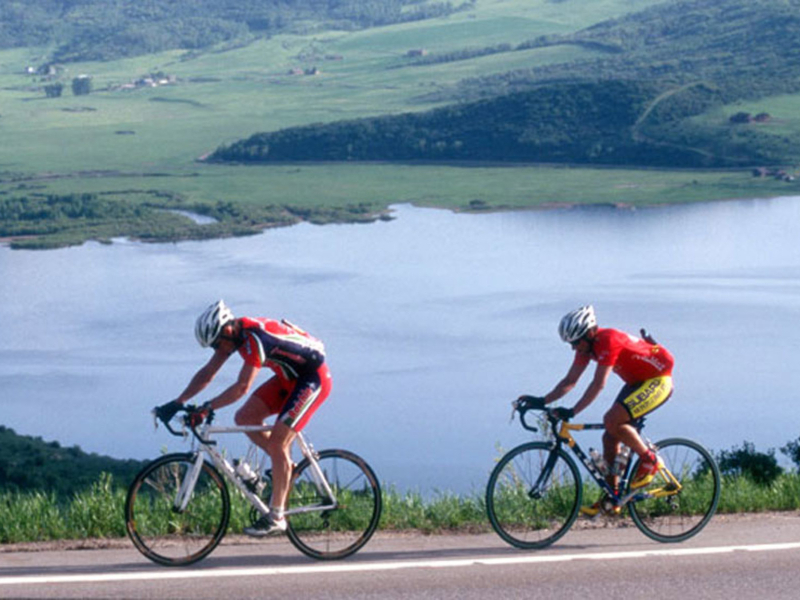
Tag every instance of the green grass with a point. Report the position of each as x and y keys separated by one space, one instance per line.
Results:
x=98 y=512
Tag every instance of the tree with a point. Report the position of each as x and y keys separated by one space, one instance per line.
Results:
x=53 y=90
x=82 y=85
x=762 y=468
x=792 y=450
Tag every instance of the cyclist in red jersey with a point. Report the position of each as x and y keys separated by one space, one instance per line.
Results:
x=301 y=384
x=644 y=366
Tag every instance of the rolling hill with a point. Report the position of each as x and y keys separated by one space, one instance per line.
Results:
x=636 y=105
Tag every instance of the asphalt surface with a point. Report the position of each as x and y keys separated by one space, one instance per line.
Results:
x=735 y=557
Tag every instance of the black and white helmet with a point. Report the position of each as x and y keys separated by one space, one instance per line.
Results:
x=574 y=325
x=210 y=323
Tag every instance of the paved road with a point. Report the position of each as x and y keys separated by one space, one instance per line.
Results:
x=735 y=558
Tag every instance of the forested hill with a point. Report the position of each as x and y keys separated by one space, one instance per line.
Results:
x=747 y=48
x=582 y=122
x=29 y=463
x=632 y=103
x=108 y=29
x=578 y=123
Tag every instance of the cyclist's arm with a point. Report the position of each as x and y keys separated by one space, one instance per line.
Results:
x=594 y=389
x=247 y=376
x=564 y=386
x=204 y=376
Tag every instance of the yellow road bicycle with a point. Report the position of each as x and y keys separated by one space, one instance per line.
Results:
x=535 y=492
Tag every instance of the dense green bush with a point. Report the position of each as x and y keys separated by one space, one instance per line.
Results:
x=745 y=461
x=792 y=450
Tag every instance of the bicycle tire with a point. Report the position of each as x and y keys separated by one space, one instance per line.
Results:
x=165 y=535
x=533 y=522
x=343 y=530
x=678 y=517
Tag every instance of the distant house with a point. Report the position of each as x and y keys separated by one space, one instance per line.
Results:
x=779 y=174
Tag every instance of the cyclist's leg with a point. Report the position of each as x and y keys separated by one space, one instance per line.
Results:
x=268 y=399
x=633 y=403
x=304 y=400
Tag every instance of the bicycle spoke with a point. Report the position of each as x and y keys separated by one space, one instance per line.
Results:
x=673 y=515
x=162 y=532
x=337 y=530
x=531 y=502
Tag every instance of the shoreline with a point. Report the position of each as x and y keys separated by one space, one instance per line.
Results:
x=386 y=214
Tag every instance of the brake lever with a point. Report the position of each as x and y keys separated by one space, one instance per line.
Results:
x=514 y=409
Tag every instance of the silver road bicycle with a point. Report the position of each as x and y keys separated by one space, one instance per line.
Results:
x=179 y=506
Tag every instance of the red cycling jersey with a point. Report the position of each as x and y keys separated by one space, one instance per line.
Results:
x=633 y=359
x=302 y=381
x=286 y=349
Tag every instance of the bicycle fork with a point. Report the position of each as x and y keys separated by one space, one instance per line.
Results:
x=540 y=487
x=187 y=485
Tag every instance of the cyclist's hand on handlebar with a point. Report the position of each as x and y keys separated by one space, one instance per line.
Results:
x=563 y=414
x=526 y=402
x=199 y=414
x=165 y=412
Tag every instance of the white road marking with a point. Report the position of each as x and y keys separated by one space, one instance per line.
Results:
x=354 y=567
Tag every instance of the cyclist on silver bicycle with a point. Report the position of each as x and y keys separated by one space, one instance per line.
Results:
x=646 y=369
x=301 y=384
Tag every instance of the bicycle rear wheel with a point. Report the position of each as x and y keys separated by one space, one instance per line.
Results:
x=533 y=495
x=165 y=534
x=346 y=524
x=674 y=517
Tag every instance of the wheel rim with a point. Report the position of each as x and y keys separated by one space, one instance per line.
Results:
x=343 y=529
x=166 y=535
x=532 y=522
x=676 y=517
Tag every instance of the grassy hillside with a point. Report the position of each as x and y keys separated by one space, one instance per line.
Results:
x=31 y=464
x=633 y=104
x=135 y=143
x=109 y=29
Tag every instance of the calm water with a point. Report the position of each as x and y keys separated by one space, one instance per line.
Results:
x=433 y=323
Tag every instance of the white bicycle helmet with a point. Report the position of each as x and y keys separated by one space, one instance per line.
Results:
x=210 y=323
x=574 y=325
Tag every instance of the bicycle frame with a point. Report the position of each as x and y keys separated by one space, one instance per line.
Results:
x=206 y=450
x=563 y=435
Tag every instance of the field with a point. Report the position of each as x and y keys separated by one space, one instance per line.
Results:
x=150 y=138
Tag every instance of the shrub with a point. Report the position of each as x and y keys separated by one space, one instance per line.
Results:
x=762 y=468
x=792 y=450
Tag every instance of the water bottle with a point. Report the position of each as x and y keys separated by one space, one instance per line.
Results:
x=621 y=461
x=245 y=471
x=599 y=462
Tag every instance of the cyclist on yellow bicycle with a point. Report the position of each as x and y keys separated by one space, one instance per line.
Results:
x=646 y=369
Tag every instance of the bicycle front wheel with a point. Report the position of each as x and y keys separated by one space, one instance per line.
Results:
x=333 y=527
x=682 y=498
x=533 y=495
x=166 y=533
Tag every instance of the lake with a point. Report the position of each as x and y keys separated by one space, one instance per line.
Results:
x=433 y=322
